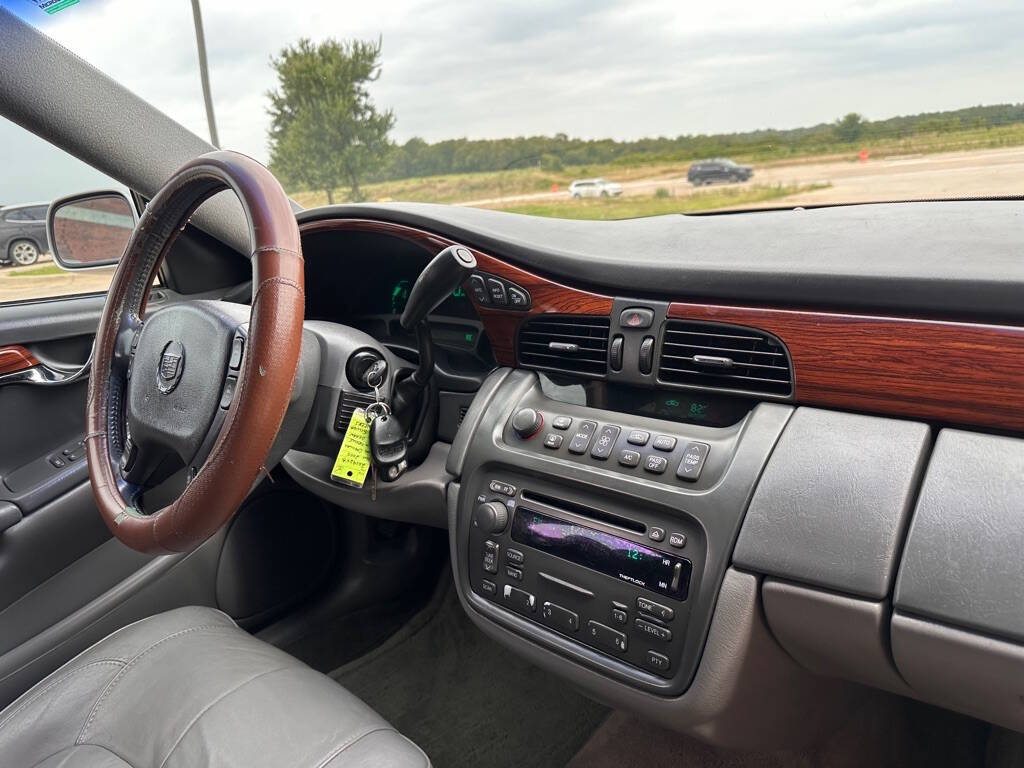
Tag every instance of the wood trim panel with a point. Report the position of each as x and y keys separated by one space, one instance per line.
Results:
x=949 y=372
x=502 y=325
x=961 y=373
x=16 y=358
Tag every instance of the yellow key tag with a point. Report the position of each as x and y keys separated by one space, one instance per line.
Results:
x=353 y=460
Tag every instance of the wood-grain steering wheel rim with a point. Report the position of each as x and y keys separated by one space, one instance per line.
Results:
x=235 y=462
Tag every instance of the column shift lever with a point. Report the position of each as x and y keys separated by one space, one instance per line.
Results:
x=446 y=272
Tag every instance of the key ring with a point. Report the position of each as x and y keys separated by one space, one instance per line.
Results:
x=376 y=410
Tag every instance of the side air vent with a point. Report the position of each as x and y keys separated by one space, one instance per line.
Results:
x=724 y=357
x=567 y=344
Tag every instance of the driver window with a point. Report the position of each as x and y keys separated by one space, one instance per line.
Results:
x=34 y=173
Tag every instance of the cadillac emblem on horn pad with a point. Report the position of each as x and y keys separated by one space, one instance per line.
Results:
x=172 y=363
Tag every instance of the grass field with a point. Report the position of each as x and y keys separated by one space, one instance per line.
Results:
x=40 y=271
x=652 y=205
x=472 y=187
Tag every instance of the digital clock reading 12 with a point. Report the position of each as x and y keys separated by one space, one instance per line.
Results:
x=617 y=557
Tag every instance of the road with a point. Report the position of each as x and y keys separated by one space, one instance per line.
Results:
x=948 y=174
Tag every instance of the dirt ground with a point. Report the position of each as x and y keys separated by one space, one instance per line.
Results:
x=986 y=172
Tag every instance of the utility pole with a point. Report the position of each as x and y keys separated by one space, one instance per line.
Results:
x=204 y=74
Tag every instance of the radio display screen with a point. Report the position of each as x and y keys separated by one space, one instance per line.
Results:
x=617 y=557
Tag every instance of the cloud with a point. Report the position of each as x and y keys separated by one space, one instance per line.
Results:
x=591 y=68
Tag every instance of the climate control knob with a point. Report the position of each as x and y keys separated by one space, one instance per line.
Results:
x=527 y=422
x=490 y=517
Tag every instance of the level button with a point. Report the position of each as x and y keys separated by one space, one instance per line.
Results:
x=650 y=629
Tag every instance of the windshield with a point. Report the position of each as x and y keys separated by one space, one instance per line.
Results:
x=660 y=107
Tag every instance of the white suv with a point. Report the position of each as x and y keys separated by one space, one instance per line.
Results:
x=594 y=188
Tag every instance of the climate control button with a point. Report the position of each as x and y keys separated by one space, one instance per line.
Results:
x=526 y=423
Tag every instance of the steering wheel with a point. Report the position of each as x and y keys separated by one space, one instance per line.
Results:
x=199 y=386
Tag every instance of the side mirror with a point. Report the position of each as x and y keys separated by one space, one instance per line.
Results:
x=89 y=230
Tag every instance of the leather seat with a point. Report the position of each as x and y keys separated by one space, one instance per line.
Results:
x=189 y=688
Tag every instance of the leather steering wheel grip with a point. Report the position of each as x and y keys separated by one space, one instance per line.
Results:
x=235 y=462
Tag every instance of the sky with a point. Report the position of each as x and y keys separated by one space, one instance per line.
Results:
x=589 y=68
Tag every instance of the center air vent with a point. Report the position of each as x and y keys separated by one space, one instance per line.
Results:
x=724 y=357
x=567 y=344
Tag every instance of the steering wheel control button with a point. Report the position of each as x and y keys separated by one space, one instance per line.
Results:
x=655 y=464
x=636 y=318
x=638 y=437
x=229 y=392
x=664 y=443
x=657 y=610
x=519 y=598
x=581 y=440
x=650 y=629
x=615 y=352
x=237 y=347
x=677 y=540
x=490 y=517
x=694 y=456
x=657 y=662
x=496 y=289
x=526 y=423
x=514 y=556
x=553 y=441
x=503 y=488
x=606 y=637
x=646 y=357
x=561 y=422
x=490 y=563
x=478 y=289
x=654 y=533
x=513 y=573
x=489 y=587
x=560 y=618
x=629 y=458
x=605 y=442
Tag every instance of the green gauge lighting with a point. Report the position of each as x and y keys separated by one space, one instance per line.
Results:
x=399 y=296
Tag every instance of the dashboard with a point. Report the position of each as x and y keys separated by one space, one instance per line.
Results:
x=694 y=496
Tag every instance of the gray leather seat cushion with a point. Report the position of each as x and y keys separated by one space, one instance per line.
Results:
x=189 y=688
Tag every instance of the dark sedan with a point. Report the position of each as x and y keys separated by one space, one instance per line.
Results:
x=711 y=171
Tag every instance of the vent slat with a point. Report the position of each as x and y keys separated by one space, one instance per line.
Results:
x=760 y=363
x=589 y=334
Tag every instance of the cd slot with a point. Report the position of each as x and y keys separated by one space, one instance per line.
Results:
x=599 y=515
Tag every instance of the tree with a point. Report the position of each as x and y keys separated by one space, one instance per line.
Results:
x=325 y=132
x=849 y=128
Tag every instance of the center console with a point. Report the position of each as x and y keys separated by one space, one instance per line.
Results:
x=603 y=535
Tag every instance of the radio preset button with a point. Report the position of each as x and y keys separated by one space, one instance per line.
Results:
x=664 y=443
x=629 y=458
x=653 y=630
x=605 y=442
x=559 y=617
x=519 y=598
x=638 y=437
x=513 y=573
x=654 y=533
x=655 y=464
x=489 y=587
x=659 y=662
x=561 y=422
x=658 y=610
x=619 y=616
x=581 y=440
x=677 y=540
x=606 y=637
x=514 y=556
x=499 y=487
x=694 y=456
